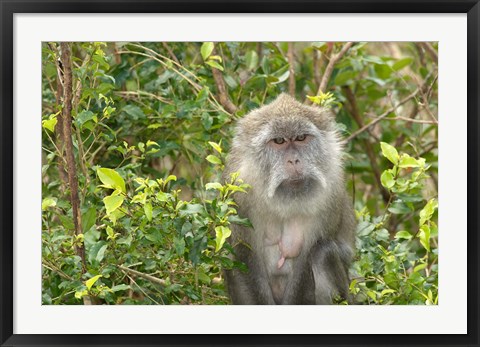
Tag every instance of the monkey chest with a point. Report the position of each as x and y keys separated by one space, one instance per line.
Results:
x=282 y=244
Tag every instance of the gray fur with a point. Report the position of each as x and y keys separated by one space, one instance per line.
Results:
x=302 y=241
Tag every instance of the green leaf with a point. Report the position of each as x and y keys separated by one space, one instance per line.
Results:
x=101 y=253
x=364 y=228
x=50 y=124
x=251 y=60
x=214 y=64
x=424 y=236
x=387 y=179
x=84 y=117
x=89 y=283
x=344 y=76
x=383 y=71
x=403 y=234
x=213 y=159
x=407 y=161
x=389 y=152
x=113 y=202
x=192 y=209
x=221 y=235
x=427 y=212
x=97 y=251
x=215 y=57
x=110 y=232
x=88 y=219
x=203 y=277
x=420 y=267
x=213 y=185
x=179 y=244
x=387 y=291
x=207 y=121
x=120 y=287
x=170 y=178
x=67 y=222
x=215 y=146
x=398 y=207
x=206 y=49
x=111 y=179
x=134 y=111
x=148 y=211
x=80 y=294
x=235 y=219
x=400 y=64
x=48 y=202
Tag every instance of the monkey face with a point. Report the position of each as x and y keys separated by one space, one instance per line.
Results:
x=293 y=159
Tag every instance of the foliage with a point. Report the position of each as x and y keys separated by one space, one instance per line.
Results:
x=152 y=123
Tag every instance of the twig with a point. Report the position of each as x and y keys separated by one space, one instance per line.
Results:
x=170 y=52
x=291 y=68
x=143 y=275
x=383 y=115
x=53 y=268
x=67 y=136
x=140 y=93
x=411 y=120
x=331 y=64
x=141 y=289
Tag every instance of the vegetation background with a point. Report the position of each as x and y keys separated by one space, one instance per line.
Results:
x=134 y=140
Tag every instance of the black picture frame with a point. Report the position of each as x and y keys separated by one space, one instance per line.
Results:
x=8 y=8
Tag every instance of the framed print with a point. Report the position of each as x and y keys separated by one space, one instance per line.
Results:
x=241 y=173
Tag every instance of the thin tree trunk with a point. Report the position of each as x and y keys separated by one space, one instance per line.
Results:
x=67 y=137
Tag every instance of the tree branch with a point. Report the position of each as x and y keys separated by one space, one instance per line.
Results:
x=143 y=275
x=170 y=52
x=382 y=116
x=67 y=136
x=222 y=96
x=331 y=64
x=412 y=120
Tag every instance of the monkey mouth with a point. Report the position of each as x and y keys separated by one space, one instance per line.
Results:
x=295 y=186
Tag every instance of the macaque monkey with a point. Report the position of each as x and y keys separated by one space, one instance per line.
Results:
x=302 y=241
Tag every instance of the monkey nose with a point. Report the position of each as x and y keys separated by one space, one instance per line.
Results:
x=294 y=162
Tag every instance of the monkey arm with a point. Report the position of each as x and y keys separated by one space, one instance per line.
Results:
x=329 y=263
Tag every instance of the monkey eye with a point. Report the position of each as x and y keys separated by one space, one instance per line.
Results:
x=301 y=137
x=279 y=140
